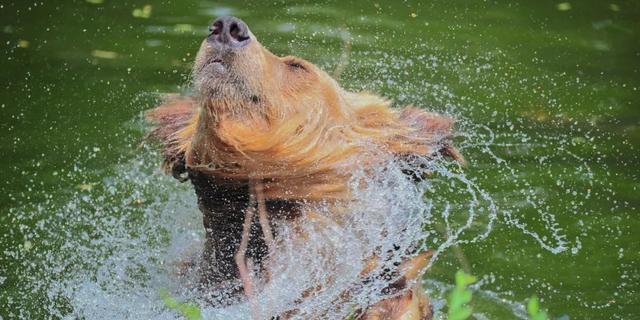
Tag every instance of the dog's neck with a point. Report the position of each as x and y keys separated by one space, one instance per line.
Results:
x=303 y=150
x=302 y=154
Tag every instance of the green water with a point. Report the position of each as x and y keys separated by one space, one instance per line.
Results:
x=557 y=85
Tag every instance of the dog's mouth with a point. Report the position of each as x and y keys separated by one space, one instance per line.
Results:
x=217 y=58
x=215 y=65
x=220 y=77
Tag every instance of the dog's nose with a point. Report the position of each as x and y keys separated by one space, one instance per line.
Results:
x=230 y=31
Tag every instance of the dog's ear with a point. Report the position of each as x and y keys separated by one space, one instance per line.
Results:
x=434 y=128
x=417 y=131
x=175 y=122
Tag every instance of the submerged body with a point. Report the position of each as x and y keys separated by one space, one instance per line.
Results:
x=286 y=127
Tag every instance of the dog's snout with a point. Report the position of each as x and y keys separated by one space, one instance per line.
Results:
x=230 y=31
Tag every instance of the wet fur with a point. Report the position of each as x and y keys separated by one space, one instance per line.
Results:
x=300 y=134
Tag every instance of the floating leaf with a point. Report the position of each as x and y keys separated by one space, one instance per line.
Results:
x=27 y=245
x=23 y=44
x=183 y=27
x=614 y=7
x=103 y=54
x=86 y=186
x=95 y=1
x=578 y=140
x=144 y=12
x=563 y=6
x=413 y=14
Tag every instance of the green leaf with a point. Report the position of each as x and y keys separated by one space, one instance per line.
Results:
x=189 y=310
x=463 y=279
x=460 y=314
x=563 y=6
x=144 y=12
x=460 y=296
x=533 y=307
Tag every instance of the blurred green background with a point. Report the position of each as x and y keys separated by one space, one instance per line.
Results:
x=546 y=93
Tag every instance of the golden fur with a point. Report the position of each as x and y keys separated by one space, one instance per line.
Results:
x=309 y=150
x=288 y=124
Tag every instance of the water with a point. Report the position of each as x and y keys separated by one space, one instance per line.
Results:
x=547 y=108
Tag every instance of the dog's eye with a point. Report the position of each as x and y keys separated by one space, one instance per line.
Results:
x=293 y=64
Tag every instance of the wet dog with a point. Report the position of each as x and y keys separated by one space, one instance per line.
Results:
x=265 y=141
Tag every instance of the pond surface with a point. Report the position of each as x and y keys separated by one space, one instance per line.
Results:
x=547 y=97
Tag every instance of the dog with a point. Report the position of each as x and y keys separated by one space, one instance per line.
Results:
x=278 y=137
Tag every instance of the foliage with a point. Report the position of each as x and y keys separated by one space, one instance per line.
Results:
x=533 y=307
x=189 y=310
x=460 y=297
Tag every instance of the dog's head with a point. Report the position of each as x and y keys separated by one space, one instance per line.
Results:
x=238 y=75
x=283 y=118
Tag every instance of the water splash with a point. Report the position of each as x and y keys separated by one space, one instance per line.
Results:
x=106 y=250
x=117 y=244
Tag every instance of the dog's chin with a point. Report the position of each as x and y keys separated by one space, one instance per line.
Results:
x=217 y=67
x=228 y=89
x=220 y=80
x=211 y=70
